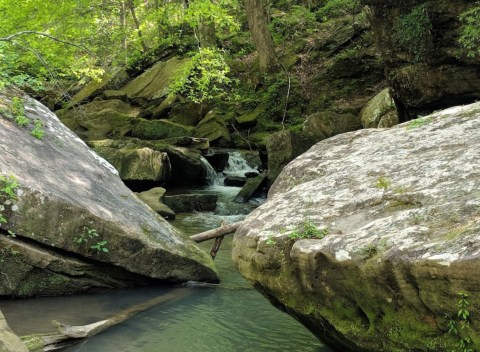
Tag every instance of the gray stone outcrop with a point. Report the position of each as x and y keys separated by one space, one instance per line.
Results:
x=65 y=192
x=399 y=211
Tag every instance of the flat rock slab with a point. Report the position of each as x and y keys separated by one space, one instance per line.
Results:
x=401 y=210
x=65 y=189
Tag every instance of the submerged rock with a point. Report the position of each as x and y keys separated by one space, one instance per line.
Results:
x=77 y=225
x=252 y=187
x=186 y=203
x=398 y=211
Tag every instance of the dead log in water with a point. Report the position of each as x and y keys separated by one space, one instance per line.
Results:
x=218 y=232
x=69 y=335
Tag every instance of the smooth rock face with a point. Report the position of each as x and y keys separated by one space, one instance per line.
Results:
x=401 y=207
x=66 y=189
x=9 y=342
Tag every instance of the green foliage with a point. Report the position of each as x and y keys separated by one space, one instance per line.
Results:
x=270 y=241
x=383 y=183
x=470 y=31
x=275 y=98
x=8 y=195
x=16 y=112
x=338 y=8
x=308 y=231
x=459 y=322
x=299 y=22
x=87 y=236
x=418 y=123
x=38 y=131
x=100 y=246
x=205 y=77
x=412 y=32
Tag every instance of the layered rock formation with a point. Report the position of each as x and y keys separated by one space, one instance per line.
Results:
x=425 y=64
x=398 y=210
x=76 y=225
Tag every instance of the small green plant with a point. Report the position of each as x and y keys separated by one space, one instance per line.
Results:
x=38 y=131
x=88 y=236
x=8 y=193
x=100 y=246
x=418 y=122
x=308 y=231
x=459 y=322
x=270 y=241
x=383 y=183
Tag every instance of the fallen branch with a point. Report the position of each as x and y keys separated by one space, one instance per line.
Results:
x=68 y=335
x=218 y=232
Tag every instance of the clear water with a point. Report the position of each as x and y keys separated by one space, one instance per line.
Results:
x=228 y=318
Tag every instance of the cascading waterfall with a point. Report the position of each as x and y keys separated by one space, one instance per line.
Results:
x=227 y=209
x=213 y=178
x=237 y=166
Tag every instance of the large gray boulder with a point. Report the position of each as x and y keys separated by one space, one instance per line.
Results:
x=398 y=210
x=9 y=342
x=77 y=225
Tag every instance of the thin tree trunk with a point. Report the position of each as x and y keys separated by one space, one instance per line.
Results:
x=68 y=335
x=258 y=24
x=218 y=232
x=123 y=26
x=131 y=6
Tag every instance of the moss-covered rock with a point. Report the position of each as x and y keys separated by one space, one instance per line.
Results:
x=326 y=124
x=186 y=165
x=188 y=113
x=152 y=198
x=135 y=163
x=214 y=128
x=380 y=111
x=283 y=147
x=78 y=226
x=100 y=119
x=249 y=119
x=186 y=203
x=425 y=65
x=252 y=187
x=399 y=237
x=160 y=129
x=111 y=80
x=115 y=94
x=154 y=83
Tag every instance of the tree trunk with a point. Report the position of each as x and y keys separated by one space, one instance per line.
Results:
x=258 y=24
x=69 y=335
x=131 y=6
x=123 y=26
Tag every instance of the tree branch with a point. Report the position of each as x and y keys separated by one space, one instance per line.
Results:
x=11 y=37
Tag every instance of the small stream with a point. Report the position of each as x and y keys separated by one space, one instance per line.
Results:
x=230 y=317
